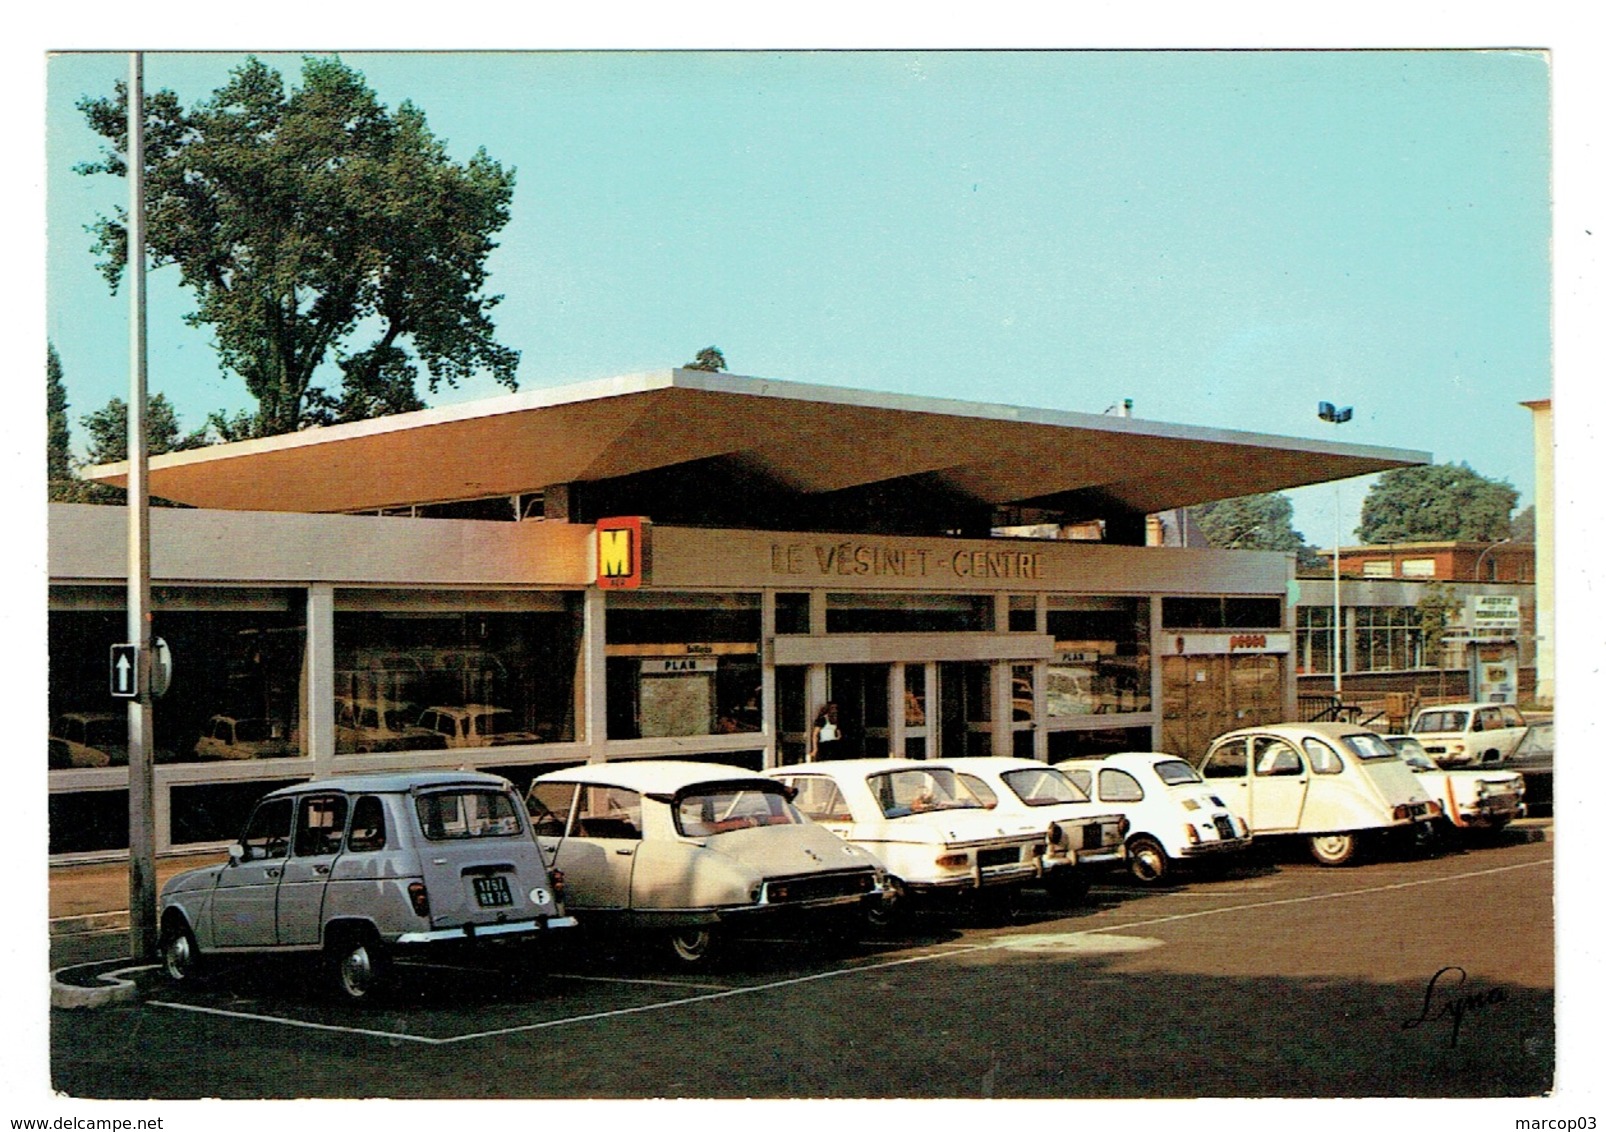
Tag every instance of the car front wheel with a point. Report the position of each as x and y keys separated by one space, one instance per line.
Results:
x=1333 y=848
x=181 y=958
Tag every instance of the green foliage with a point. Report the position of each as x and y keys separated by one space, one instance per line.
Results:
x=58 y=438
x=108 y=430
x=708 y=358
x=1524 y=525
x=314 y=225
x=1434 y=503
x=1438 y=606
x=1250 y=522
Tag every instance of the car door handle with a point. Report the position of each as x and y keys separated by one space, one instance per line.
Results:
x=320 y=870
x=624 y=852
x=273 y=874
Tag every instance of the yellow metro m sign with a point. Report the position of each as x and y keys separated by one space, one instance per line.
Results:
x=621 y=557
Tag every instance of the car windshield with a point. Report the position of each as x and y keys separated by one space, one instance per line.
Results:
x=1431 y=721
x=105 y=733
x=1369 y=747
x=251 y=731
x=705 y=812
x=900 y=793
x=451 y=815
x=1539 y=739
x=499 y=722
x=1175 y=772
x=1042 y=786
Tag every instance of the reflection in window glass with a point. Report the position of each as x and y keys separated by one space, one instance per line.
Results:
x=367 y=825
x=414 y=676
x=1118 y=786
x=900 y=793
x=449 y=815
x=978 y=791
x=246 y=650
x=683 y=664
x=819 y=799
x=1043 y=786
x=320 y=826
x=268 y=836
x=1101 y=656
x=1175 y=772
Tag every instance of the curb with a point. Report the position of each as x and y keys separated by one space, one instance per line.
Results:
x=89 y=923
x=115 y=989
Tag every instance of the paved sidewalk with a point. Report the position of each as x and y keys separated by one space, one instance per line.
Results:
x=95 y=897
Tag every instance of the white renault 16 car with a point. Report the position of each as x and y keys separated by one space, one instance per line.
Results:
x=934 y=839
x=692 y=852
x=358 y=868
x=1085 y=842
x=1333 y=783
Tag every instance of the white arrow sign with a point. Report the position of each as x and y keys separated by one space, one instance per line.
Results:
x=125 y=671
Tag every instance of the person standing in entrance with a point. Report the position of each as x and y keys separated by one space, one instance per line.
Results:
x=825 y=739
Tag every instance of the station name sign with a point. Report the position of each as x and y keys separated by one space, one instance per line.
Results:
x=879 y=560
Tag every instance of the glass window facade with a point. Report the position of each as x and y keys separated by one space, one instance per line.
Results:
x=1387 y=638
x=683 y=665
x=239 y=661
x=429 y=671
x=1101 y=656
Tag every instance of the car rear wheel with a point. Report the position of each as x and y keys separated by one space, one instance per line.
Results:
x=359 y=967
x=1147 y=862
x=890 y=909
x=181 y=958
x=1334 y=848
x=694 y=947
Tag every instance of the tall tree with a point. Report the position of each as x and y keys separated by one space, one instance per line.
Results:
x=315 y=226
x=58 y=437
x=1524 y=525
x=1434 y=503
x=708 y=358
x=1250 y=522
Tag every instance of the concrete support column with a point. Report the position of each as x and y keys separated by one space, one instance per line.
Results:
x=594 y=674
x=318 y=706
x=816 y=692
x=770 y=717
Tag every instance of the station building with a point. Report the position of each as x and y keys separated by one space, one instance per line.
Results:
x=673 y=564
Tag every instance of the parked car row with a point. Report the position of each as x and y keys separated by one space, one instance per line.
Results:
x=358 y=868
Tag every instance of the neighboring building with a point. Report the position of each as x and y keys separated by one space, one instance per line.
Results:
x=1545 y=544
x=1489 y=650
x=1445 y=561
x=680 y=564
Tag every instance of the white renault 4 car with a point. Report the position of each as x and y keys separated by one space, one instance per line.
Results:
x=357 y=868
x=1468 y=734
x=934 y=839
x=1333 y=783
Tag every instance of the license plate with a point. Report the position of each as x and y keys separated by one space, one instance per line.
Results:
x=492 y=892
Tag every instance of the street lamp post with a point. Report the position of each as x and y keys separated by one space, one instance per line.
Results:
x=1336 y=417
x=1477 y=567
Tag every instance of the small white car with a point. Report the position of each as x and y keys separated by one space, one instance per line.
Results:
x=226 y=737
x=1483 y=798
x=1172 y=814
x=691 y=851
x=1335 y=784
x=358 y=868
x=1085 y=843
x=89 y=739
x=933 y=839
x=363 y=725
x=475 y=725
x=1468 y=734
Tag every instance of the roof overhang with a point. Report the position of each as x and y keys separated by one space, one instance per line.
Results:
x=811 y=439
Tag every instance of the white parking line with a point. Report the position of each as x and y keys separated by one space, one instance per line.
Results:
x=571 y=1020
x=949 y=952
x=1318 y=896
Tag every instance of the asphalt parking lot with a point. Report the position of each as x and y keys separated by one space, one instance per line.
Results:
x=1405 y=977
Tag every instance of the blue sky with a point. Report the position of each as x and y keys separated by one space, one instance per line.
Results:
x=1227 y=238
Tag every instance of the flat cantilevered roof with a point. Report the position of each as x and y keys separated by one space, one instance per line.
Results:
x=809 y=440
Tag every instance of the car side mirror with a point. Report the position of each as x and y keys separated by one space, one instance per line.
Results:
x=238 y=853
